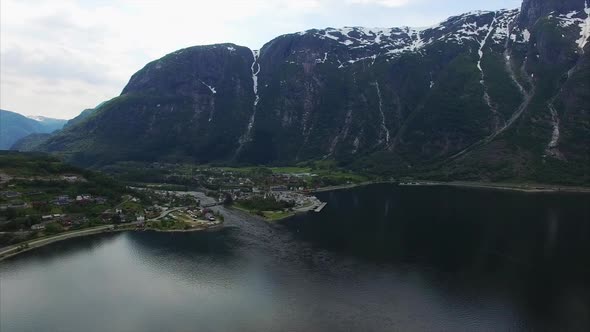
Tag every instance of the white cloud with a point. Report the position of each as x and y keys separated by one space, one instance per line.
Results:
x=386 y=3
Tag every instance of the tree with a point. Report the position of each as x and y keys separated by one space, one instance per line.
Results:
x=10 y=213
x=116 y=219
x=228 y=199
x=53 y=228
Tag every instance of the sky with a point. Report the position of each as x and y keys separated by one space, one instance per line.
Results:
x=59 y=57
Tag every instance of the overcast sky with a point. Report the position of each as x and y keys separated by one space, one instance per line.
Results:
x=58 y=57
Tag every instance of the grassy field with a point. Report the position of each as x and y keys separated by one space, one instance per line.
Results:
x=267 y=215
x=291 y=170
x=277 y=215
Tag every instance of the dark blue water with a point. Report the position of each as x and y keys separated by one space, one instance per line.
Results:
x=378 y=258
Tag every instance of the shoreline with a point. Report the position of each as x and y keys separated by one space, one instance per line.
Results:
x=13 y=250
x=16 y=249
x=190 y=230
x=501 y=186
x=347 y=186
x=520 y=187
x=38 y=243
x=532 y=188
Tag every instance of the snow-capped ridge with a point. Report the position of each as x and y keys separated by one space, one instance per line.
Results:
x=40 y=118
x=370 y=43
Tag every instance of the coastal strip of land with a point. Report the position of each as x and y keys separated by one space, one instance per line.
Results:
x=37 y=243
x=26 y=246
x=347 y=186
x=522 y=187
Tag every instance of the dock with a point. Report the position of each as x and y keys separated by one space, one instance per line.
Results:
x=320 y=207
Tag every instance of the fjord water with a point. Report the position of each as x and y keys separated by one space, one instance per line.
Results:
x=376 y=258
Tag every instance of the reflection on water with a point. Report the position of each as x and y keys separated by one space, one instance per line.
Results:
x=376 y=258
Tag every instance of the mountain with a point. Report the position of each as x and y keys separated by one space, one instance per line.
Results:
x=82 y=116
x=49 y=124
x=487 y=95
x=14 y=126
x=32 y=142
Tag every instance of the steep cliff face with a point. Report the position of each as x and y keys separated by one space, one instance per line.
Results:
x=189 y=104
x=341 y=92
x=533 y=10
x=482 y=95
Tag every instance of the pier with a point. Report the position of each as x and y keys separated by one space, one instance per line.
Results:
x=320 y=207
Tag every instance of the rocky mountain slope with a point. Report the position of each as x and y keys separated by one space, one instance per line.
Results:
x=484 y=95
x=14 y=126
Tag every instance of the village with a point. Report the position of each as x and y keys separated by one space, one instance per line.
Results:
x=32 y=207
x=273 y=194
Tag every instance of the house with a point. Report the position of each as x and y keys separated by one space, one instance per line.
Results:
x=70 y=178
x=100 y=200
x=210 y=216
x=18 y=204
x=63 y=200
x=38 y=204
x=140 y=219
x=47 y=217
x=278 y=188
x=83 y=198
x=38 y=227
x=107 y=215
x=11 y=194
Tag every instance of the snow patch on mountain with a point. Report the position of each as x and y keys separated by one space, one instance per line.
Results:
x=384 y=129
x=480 y=52
x=555 y=133
x=370 y=43
x=584 y=27
x=255 y=72
x=567 y=20
x=255 y=68
x=504 y=21
x=38 y=118
x=323 y=60
x=209 y=86
x=526 y=35
x=482 y=44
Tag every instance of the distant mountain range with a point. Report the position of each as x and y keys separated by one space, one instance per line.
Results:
x=491 y=95
x=14 y=126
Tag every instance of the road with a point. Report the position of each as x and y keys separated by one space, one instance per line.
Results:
x=58 y=237
x=165 y=213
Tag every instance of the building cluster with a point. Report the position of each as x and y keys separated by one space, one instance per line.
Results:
x=14 y=200
x=297 y=198
x=65 y=220
x=253 y=181
x=79 y=199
